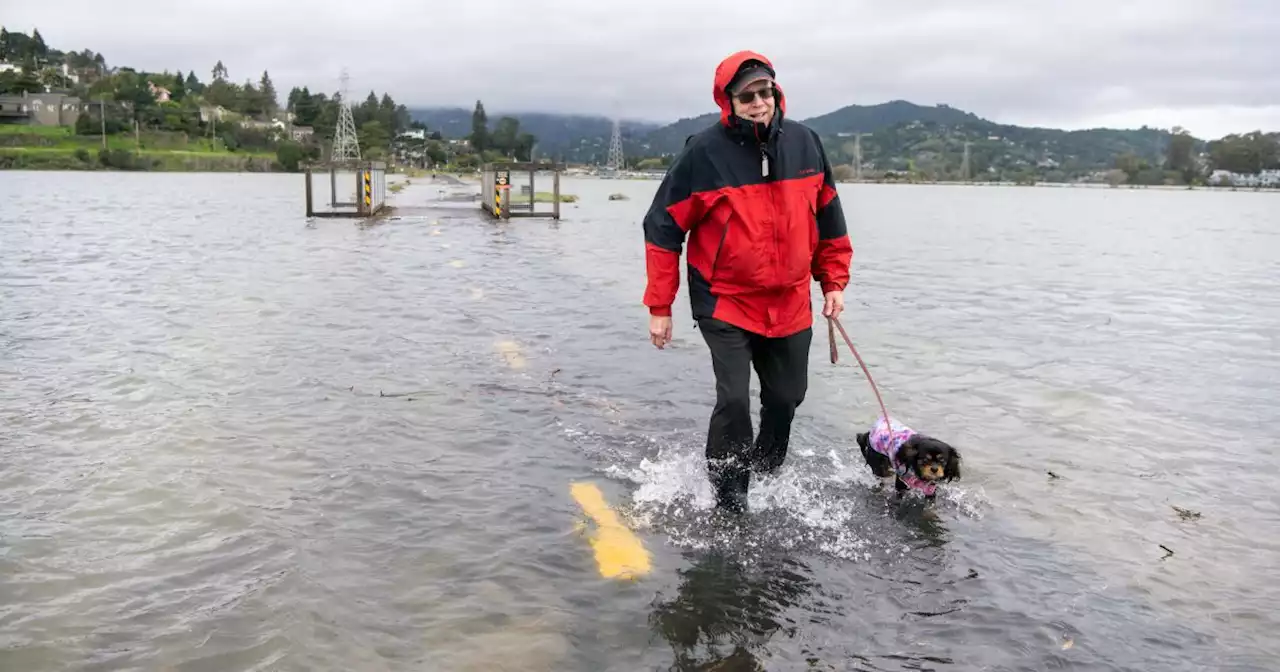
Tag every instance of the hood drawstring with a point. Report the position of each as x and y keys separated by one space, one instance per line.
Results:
x=764 y=155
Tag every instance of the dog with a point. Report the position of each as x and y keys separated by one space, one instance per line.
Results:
x=916 y=461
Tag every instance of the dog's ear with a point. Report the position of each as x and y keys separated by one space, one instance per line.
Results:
x=953 y=464
x=909 y=452
x=864 y=440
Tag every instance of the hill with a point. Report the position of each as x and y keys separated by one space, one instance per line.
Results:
x=566 y=137
x=872 y=118
x=935 y=150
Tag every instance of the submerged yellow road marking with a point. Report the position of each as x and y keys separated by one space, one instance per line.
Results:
x=619 y=552
x=510 y=351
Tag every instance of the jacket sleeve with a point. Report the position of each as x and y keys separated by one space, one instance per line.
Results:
x=834 y=254
x=674 y=211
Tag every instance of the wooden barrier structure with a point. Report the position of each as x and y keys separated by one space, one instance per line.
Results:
x=370 y=189
x=496 y=180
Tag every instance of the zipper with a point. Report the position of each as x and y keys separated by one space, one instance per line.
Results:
x=770 y=195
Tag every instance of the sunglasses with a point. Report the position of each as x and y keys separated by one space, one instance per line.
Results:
x=746 y=97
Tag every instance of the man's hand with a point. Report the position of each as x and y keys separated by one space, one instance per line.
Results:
x=833 y=303
x=660 y=330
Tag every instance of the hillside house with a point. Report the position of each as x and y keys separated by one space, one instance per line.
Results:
x=1266 y=178
x=161 y=94
x=210 y=113
x=40 y=109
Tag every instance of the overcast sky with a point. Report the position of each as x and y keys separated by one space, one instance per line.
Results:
x=1208 y=66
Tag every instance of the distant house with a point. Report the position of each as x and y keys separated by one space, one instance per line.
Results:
x=260 y=125
x=302 y=133
x=161 y=94
x=1266 y=178
x=210 y=113
x=415 y=134
x=40 y=109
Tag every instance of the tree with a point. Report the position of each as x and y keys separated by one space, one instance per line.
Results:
x=505 y=136
x=524 y=147
x=38 y=48
x=249 y=101
x=193 y=83
x=374 y=139
x=1250 y=153
x=1130 y=165
x=289 y=154
x=267 y=91
x=219 y=71
x=1179 y=156
x=178 y=90
x=479 y=137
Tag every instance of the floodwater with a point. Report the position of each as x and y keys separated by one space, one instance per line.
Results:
x=232 y=439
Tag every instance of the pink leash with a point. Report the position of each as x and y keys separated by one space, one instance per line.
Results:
x=833 y=324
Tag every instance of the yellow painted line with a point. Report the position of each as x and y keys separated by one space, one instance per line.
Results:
x=619 y=552
x=457 y=263
x=510 y=351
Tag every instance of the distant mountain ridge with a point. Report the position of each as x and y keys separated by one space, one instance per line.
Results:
x=577 y=138
x=897 y=135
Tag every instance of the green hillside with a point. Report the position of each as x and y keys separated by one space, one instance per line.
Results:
x=565 y=137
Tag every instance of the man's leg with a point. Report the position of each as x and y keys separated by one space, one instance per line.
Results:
x=783 y=367
x=729 y=435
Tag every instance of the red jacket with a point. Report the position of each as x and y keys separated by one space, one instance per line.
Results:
x=759 y=207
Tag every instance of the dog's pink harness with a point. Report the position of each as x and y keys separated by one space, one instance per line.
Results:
x=887 y=442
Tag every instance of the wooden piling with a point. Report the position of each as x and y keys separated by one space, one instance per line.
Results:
x=555 y=195
x=310 y=207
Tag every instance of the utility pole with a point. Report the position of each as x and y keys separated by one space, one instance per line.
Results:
x=964 y=165
x=102 y=108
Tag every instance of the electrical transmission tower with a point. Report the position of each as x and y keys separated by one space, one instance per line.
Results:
x=615 y=161
x=346 y=145
x=857 y=157
x=964 y=165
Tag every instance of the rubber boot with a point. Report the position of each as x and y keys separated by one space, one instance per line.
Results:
x=730 y=482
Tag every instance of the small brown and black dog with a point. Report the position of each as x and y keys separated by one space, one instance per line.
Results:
x=916 y=461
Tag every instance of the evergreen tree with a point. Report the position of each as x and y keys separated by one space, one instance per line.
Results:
x=479 y=137
x=267 y=90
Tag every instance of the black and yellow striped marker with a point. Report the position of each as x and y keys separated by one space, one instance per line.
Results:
x=368 y=188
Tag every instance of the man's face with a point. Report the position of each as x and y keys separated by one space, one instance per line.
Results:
x=759 y=102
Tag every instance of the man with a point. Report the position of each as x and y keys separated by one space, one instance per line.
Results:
x=756 y=198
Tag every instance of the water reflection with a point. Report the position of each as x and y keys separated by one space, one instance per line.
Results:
x=729 y=606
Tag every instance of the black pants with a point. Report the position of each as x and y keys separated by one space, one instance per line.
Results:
x=782 y=365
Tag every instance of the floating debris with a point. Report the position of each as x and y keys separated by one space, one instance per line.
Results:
x=1186 y=514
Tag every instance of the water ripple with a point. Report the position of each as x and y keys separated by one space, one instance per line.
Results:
x=237 y=440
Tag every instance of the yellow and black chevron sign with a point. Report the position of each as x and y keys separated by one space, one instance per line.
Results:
x=368 y=188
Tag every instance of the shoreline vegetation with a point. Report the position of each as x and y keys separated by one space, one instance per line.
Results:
x=72 y=111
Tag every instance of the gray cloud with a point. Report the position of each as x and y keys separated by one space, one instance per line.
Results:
x=1072 y=64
